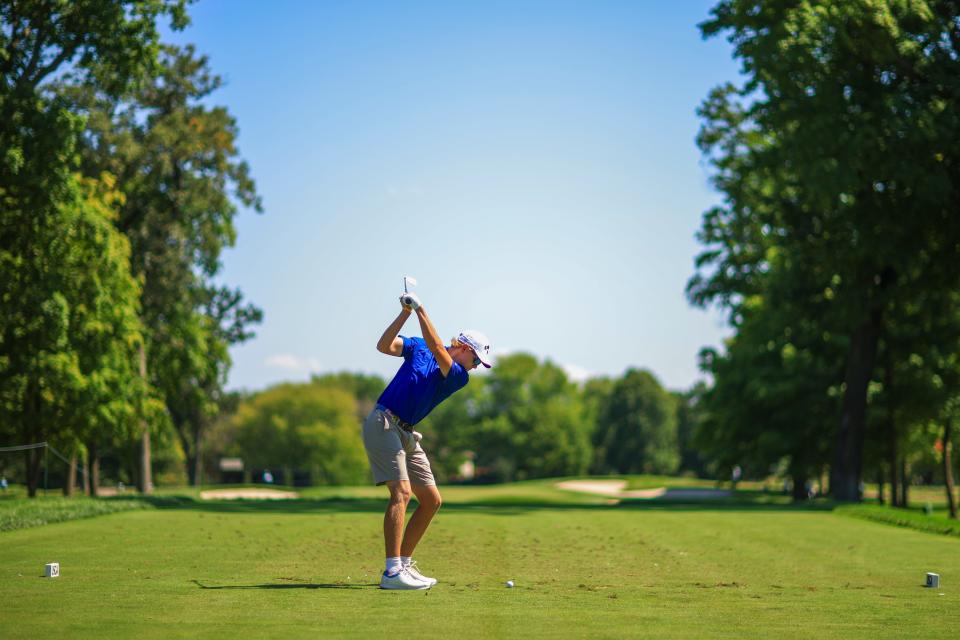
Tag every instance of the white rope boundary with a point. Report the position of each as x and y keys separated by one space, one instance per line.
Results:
x=37 y=445
x=23 y=447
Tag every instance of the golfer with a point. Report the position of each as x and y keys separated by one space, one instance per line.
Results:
x=430 y=373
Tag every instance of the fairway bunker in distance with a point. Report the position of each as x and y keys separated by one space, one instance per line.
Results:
x=248 y=494
x=617 y=490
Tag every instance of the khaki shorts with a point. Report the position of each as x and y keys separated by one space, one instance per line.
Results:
x=394 y=454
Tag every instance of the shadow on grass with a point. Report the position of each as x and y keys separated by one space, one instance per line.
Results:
x=285 y=585
x=357 y=505
x=741 y=501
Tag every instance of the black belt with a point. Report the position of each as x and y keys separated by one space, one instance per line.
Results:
x=406 y=426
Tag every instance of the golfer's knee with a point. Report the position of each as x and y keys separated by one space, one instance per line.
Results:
x=400 y=495
x=432 y=501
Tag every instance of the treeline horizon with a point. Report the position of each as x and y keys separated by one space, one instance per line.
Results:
x=834 y=255
x=119 y=187
x=523 y=419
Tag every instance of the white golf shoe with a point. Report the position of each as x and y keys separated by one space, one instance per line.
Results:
x=403 y=580
x=412 y=570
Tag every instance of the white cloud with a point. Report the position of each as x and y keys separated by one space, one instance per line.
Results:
x=292 y=363
x=576 y=373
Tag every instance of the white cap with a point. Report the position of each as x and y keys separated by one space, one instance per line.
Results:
x=479 y=343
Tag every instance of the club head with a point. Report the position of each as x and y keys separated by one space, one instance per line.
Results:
x=408 y=280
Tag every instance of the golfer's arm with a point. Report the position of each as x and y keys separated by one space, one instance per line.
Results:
x=389 y=342
x=434 y=343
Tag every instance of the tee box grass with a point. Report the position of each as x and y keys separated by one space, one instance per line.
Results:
x=583 y=569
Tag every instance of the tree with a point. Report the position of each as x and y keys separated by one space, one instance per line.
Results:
x=177 y=163
x=947 y=453
x=532 y=423
x=37 y=40
x=847 y=121
x=523 y=420
x=690 y=415
x=638 y=423
x=49 y=219
x=193 y=372
x=303 y=426
x=450 y=432
x=70 y=329
x=596 y=395
x=365 y=388
x=775 y=395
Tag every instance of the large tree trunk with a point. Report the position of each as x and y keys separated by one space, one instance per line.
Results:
x=848 y=459
x=191 y=437
x=191 y=471
x=70 y=487
x=94 y=470
x=892 y=462
x=193 y=460
x=198 y=452
x=799 y=488
x=904 y=483
x=880 y=481
x=146 y=463
x=891 y=434
x=86 y=473
x=948 y=466
x=34 y=468
x=196 y=463
x=198 y=469
x=31 y=418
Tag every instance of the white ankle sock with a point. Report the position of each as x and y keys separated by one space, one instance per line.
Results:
x=406 y=560
x=394 y=565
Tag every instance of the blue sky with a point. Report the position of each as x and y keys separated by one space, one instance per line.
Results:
x=532 y=164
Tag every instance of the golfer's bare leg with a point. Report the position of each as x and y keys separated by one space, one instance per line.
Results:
x=395 y=515
x=429 y=498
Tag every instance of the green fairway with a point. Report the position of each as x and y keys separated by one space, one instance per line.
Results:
x=583 y=569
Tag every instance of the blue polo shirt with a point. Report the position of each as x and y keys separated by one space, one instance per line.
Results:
x=419 y=385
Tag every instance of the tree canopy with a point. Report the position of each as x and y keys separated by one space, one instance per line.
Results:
x=837 y=161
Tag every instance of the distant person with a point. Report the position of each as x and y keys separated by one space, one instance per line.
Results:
x=268 y=477
x=3 y=483
x=430 y=373
x=735 y=475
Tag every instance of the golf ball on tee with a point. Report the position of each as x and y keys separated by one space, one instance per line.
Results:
x=509 y=583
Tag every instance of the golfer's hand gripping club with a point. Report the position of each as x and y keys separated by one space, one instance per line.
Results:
x=410 y=301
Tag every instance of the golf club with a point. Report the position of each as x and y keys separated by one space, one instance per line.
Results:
x=408 y=280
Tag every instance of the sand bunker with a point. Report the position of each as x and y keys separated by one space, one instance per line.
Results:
x=248 y=494
x=615 y=489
